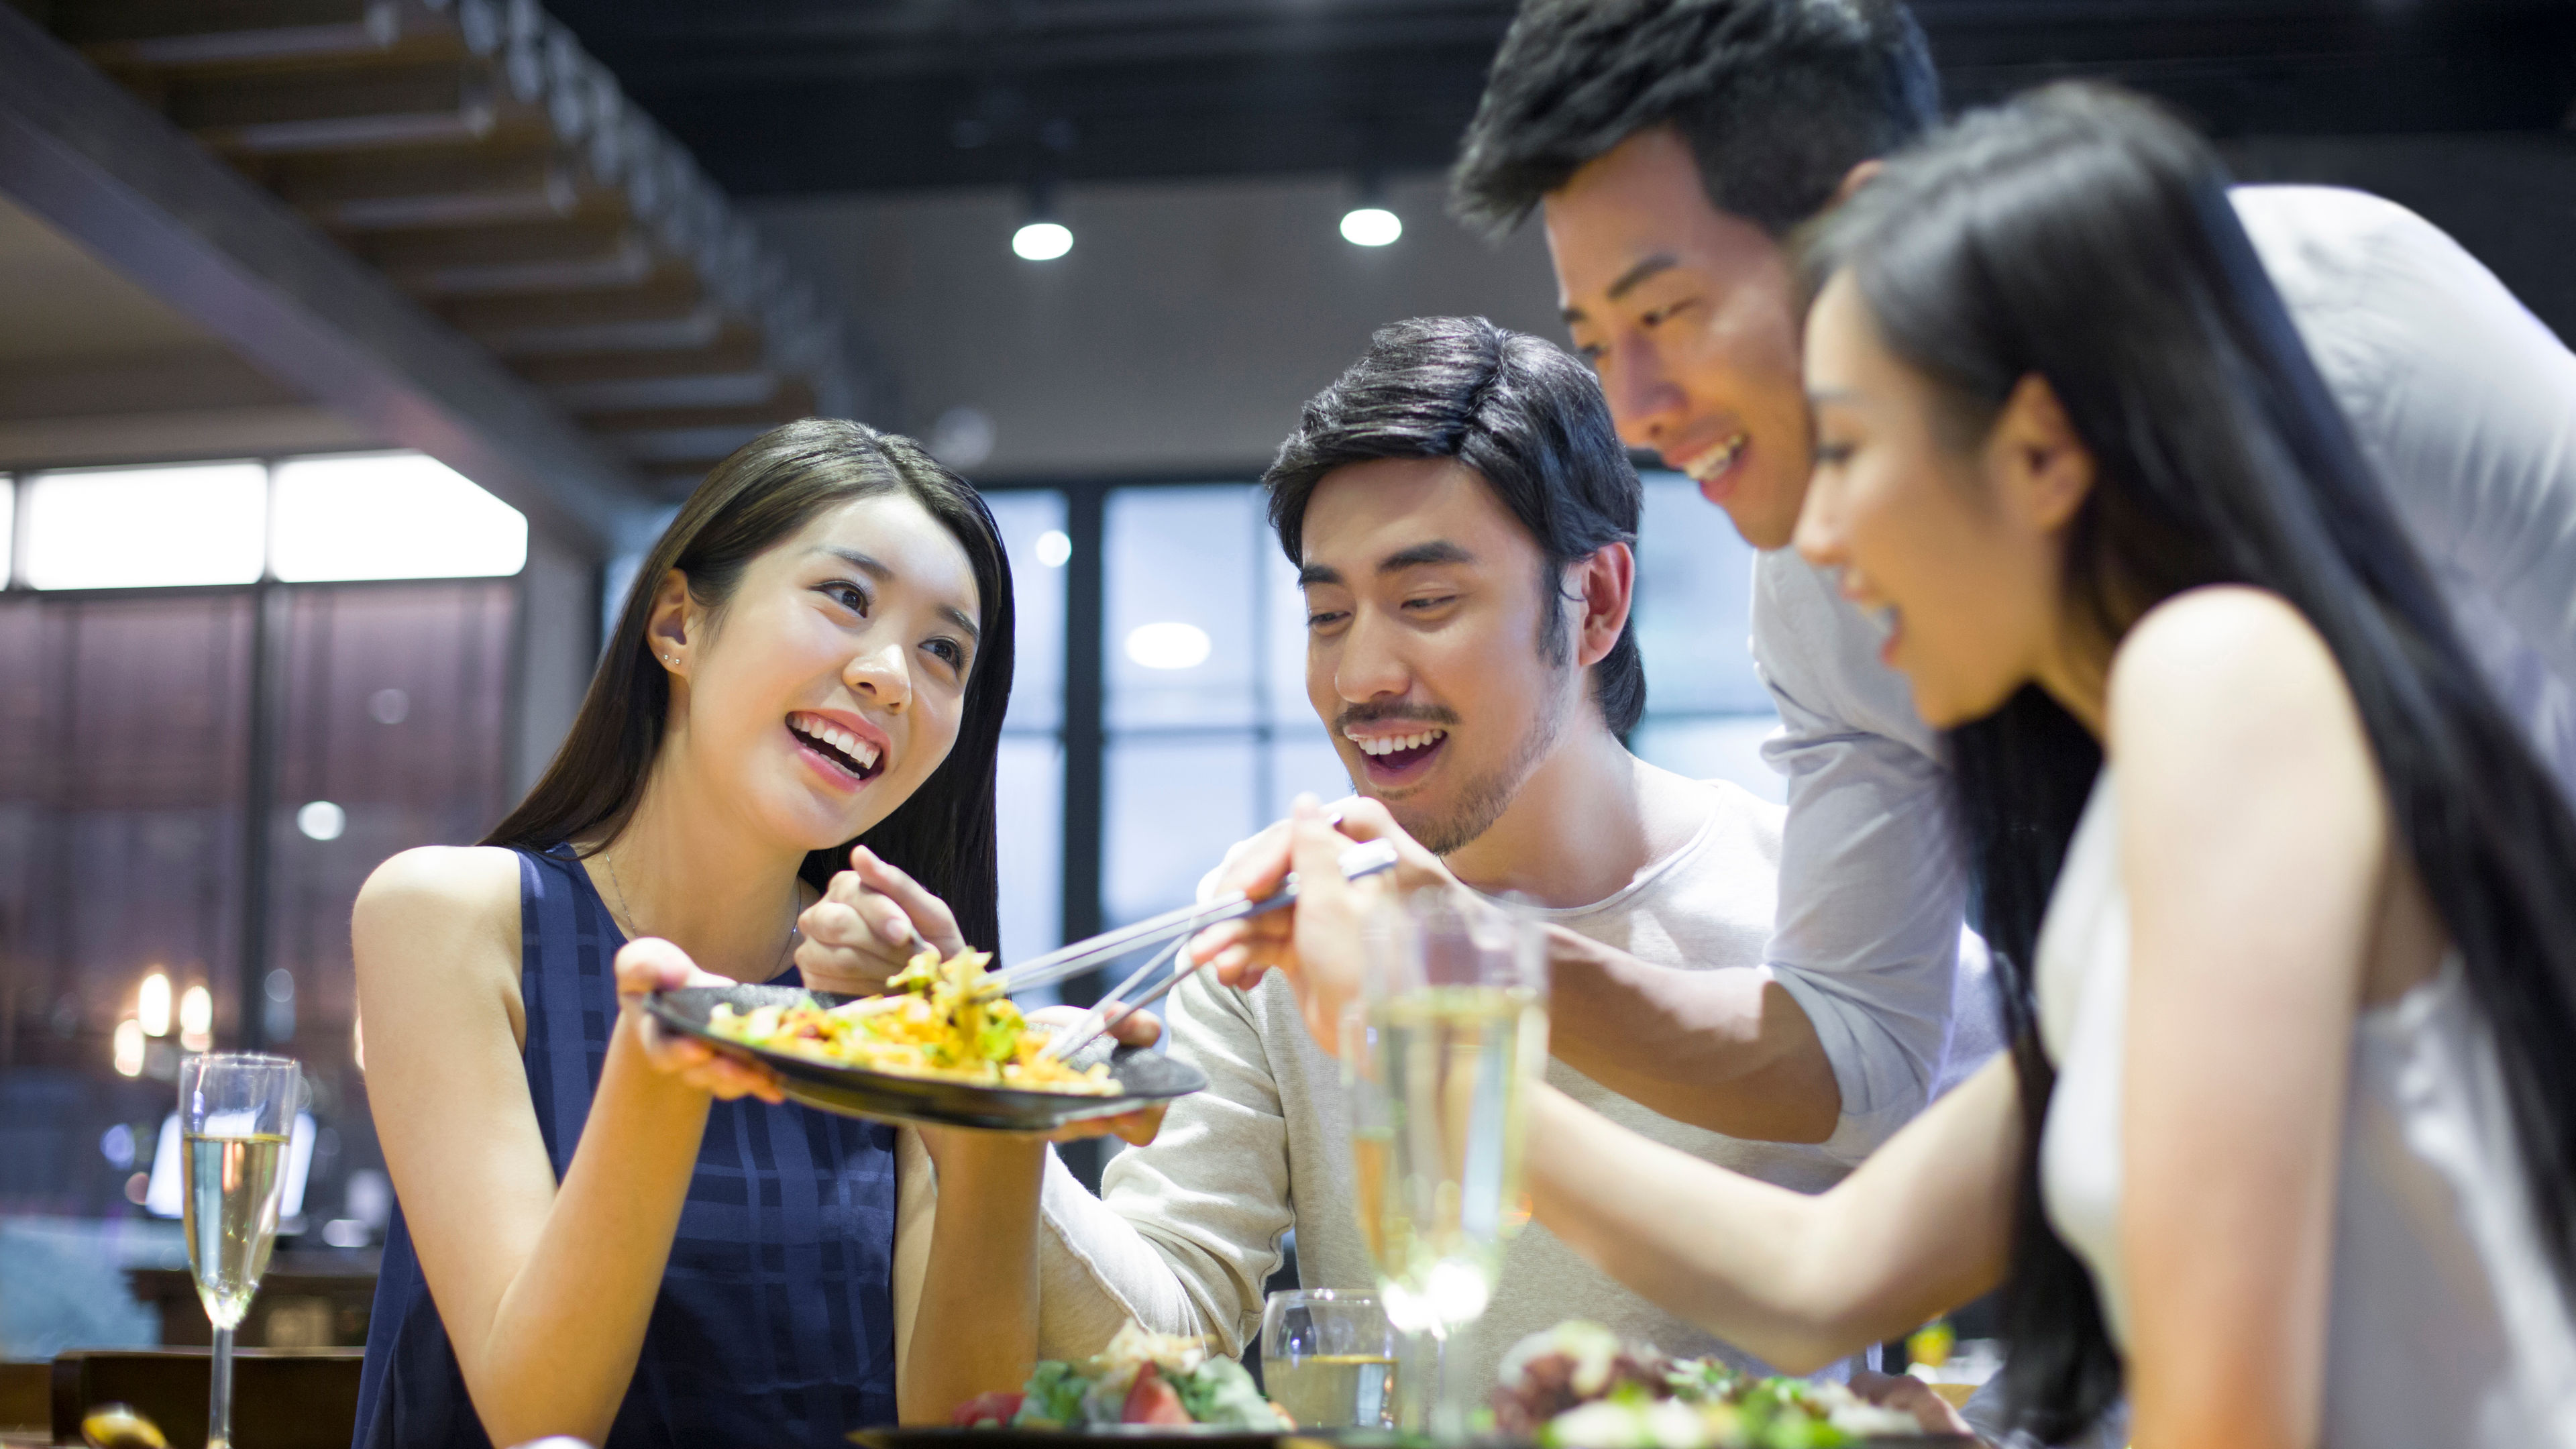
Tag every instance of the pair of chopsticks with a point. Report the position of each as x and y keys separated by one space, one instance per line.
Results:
x=1176 y=925
x=1366 y=859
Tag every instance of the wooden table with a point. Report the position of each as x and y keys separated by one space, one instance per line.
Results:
x=308 y=1299
x=282 y=1398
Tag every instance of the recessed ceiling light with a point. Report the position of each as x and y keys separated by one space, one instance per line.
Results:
x=1042 y=241
x=1371 y=226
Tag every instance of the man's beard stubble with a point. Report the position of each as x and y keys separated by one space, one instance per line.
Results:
x=1482 y=800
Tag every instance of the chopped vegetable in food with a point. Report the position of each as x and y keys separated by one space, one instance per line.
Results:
x=1140 y=1378
x=935 y=1020
x=1576 y=1386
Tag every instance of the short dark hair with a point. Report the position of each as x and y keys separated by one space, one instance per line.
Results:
x=1530 y=420
x=1777 y=99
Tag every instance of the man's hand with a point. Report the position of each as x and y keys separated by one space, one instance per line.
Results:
x=1315 y=943
x=867 y=925
x=653 y=964
x=1135 y=1027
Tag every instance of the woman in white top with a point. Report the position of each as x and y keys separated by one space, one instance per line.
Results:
x=2307 y=992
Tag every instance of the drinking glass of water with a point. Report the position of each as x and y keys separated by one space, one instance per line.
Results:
x=235 y=1113
x=1328 y=1359
x=1450 y=1032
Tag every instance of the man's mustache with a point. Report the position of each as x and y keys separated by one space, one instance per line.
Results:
x=1359 y=714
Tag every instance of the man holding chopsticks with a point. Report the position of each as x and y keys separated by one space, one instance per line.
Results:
x=1461 y=511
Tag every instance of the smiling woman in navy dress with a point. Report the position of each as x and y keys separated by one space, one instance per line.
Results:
x=606 y=1234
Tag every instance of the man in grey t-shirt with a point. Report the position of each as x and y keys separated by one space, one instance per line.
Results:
x=1669 y=147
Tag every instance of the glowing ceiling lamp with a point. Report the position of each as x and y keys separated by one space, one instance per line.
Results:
x=1371 y=226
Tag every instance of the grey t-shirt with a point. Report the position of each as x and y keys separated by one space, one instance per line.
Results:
x=1190 y=1227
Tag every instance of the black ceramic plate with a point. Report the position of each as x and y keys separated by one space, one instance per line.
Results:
x=1193 y=1437
x=1146 y=1076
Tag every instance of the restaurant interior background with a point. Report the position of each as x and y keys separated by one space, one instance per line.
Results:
x=351 y=351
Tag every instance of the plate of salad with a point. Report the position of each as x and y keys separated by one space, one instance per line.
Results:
x=1578 y=1386
x=1143 y=1385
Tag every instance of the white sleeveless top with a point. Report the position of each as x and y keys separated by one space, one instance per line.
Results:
x=2446 y=1324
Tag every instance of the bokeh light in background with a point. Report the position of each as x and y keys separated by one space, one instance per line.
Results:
x=196 y=1019
x=321 y=820
x=1168 y=645
x=152 y=1005
x=1042 y=241
x=128 y=1048
x=1371 y=226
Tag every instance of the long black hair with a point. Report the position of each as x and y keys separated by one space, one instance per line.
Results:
x=771 y=487
x=2082 y=235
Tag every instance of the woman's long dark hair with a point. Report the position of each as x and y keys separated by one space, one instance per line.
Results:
x=771 y=487
x=2082 y=235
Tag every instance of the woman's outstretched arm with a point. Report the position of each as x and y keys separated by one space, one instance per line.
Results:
x=1924 y=1225
x=544 y=1288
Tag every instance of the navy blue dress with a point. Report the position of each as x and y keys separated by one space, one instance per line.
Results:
x=775 y=1324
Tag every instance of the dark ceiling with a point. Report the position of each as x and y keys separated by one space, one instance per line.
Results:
x=784 y=97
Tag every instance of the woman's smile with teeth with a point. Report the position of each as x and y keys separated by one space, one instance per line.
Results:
x=855 y=755
x=1396 y=744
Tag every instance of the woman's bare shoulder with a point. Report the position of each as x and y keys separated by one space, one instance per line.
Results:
x=440 y=897
x=2229 y=652
x=2229 y=695
x=448 y=876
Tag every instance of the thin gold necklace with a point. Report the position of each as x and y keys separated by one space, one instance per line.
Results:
x=633 y=925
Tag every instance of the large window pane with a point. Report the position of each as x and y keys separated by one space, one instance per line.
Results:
x=1031 y=774
x=1299 y=754
x=125 y=528
x=1283 y=611
x=389 y=516
x=1692 y=611
x=1302 y=760
x=1181 y=610
x=391 y=734
x=1032 y=526
x=1031 y=841
x=124 y=737
x=1719 y=747
x=1174 y=805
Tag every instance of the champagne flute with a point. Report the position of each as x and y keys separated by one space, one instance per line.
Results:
x=236 y=1111
x=1450 y=1030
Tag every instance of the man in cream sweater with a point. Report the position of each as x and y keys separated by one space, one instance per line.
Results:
x=1461 y=511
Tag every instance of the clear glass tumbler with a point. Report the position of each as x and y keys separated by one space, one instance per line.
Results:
x=236 y=1111
x=1328 y=1358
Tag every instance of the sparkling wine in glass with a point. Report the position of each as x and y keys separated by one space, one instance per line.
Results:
x=1328 y=1358
x=1451 y=1030
x=235 y=1113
